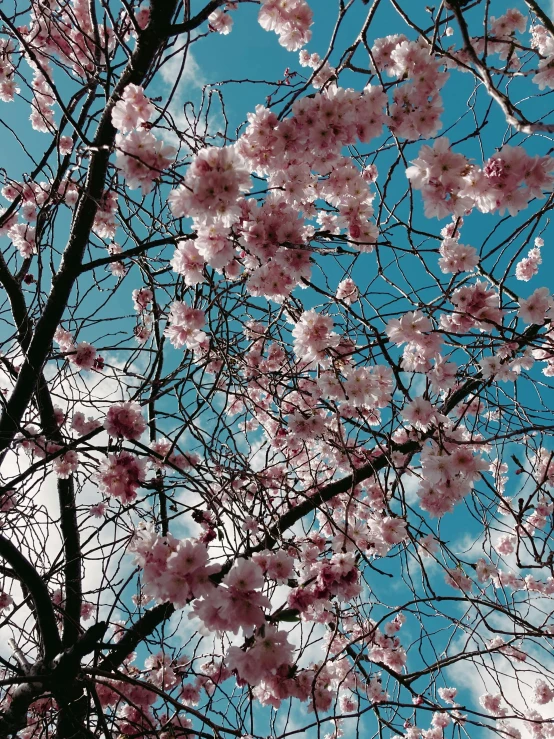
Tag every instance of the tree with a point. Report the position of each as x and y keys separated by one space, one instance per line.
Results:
x=275 y=431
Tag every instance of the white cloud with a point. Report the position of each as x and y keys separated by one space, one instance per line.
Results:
x=186 y=72
x=183 y=79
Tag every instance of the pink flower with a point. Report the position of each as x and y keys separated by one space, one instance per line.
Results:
x=313 y=336
x=290 y=20
x=245 y=575
x=409 y=327
x=175 y=571
x=420 y=414
x=529 y=266
x=534 y=308
x=448 y=695
x=142 y=158
x=545 y=75
x=393 y=530
x=214 y=245
x=126 y=420
x=23 y=238
x=5 y=601
x=493 y=704
x=82 y=426
x=65 y=145
x=142 y=299
x=66 y=464
x=188 y=261
x=213 y=184
x=457 y=257
x=132 y=110
x=220 y=21
x=84 y=356
x=263 y=658
x=476 y=306
x=120 y=475
x=347 y=291
x=457 y=579
x=184 y=327
x=543 y=693
x=98 y=510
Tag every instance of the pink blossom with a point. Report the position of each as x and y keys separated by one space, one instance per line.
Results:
x=188 y=261
x=98 y=510
x=313 y=336
x=185 y=325
x=23 y=238
x=66 y=464
x=448 y=695
x=133 y=109
x=82 y=426
x=120 y=475
x=220 y=21
x=543 y=692
x=125 y=419
x=142 y=298
x=213 y=183
x=456 y=257
x=5 y=601
x=529 y=266
x=535 y=308
x=142 y=158
x=84 y=356
x=545 y=75
x=457 y=579
x=263 y=658
x=347 y=291
x=290 y=20
x=420 y=414
x=65 y=145
x=476 y=306
x=493 y=704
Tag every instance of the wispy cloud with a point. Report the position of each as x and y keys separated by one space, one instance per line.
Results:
x=183 y=80
x=186 y=72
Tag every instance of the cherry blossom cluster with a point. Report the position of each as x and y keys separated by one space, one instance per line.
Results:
x=121 y=475
x=37 y=446
x=448 y=473
x=184 y=329
x=220 y=21
x=83 y=355
x=105 y=217
x=132 y=110
x=450 y=183
x=313 y=337
x=214 y=181
x=125 y=420
x=140 y=156
x=475 y=306
x=417 y=104
x=422 y=346
x=536 y=308
x=528 y=267
x=323 y=70
x=544 y=43
x=42 y=106
x=272 y=236
x=66 y=32
x=31 y=197
x=179 y=572
x=290 y=19
x=8 y=88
